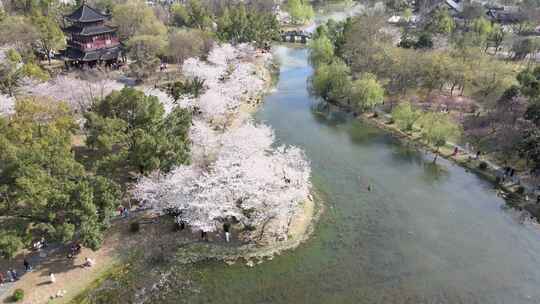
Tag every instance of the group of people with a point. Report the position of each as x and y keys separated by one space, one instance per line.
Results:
x=162 y=67
x=204 y=234
x=11 y=276
x=74 y=249
x=123 y=211
x=509 y=172
x=40 y=244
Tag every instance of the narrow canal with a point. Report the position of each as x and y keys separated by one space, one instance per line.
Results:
x=425 y=234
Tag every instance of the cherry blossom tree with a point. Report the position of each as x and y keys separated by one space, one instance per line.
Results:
x=77 y=93
x=236 y=173
x=250 y=182
x=232 y=78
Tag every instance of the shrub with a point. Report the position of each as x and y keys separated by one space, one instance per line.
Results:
x=483 y=165
x=135 y=227
x=18 y=295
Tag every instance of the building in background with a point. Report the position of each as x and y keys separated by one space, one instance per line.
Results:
x=90 y=41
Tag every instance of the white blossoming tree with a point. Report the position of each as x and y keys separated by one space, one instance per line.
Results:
x=236 y=174
x=78 y=94
x=249 y=182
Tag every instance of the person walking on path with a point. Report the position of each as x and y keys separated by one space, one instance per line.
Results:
x=478 y=153
x=52 y=278
x=226 y=228
x=27 y=266
x=2 y=279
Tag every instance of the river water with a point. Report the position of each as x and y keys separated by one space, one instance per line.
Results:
x=425 y=233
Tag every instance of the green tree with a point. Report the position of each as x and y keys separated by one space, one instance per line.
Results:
x=34 y=71
x=482 y=29
x=11 y=73
x=529 y=81
x=45 y=191
x=10 y=243
x=424 y=41
x=442 y=22
x=530 y=146
x=407 y=14
x=332 y=82
x=130 y=128
x=300 y=11
x=50 y=36
x=193 y=87
x=183 y=44
x=367 y=45
x=137 y=18
x=144 y=50
x=179 y=15
x=20 y=32
x=405 y=116
x=198 y=15
x=496 y=37
x=437 y=129
x=367 y=92
x=321 y=50
x=242 y=24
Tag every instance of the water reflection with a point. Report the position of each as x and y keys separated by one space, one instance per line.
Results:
x=434 y=173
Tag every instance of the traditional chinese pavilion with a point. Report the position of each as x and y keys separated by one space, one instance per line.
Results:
x=89 y=40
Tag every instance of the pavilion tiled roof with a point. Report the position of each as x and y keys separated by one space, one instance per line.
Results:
x=86 y=14
x=101 y=54
x=89 y=30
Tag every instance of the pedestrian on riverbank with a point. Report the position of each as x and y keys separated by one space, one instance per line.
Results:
x=2 y=279
x=478 y=153
x=52 y=278
x=14 y=275
x=226 y=228
x=204 y=235
x=27 y=266
x=456 y=151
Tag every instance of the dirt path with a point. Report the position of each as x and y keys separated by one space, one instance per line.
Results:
x=70 y=276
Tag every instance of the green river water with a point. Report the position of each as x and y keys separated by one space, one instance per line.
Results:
x=425 y=234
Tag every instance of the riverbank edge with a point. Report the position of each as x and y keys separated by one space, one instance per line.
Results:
x=518 y=201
